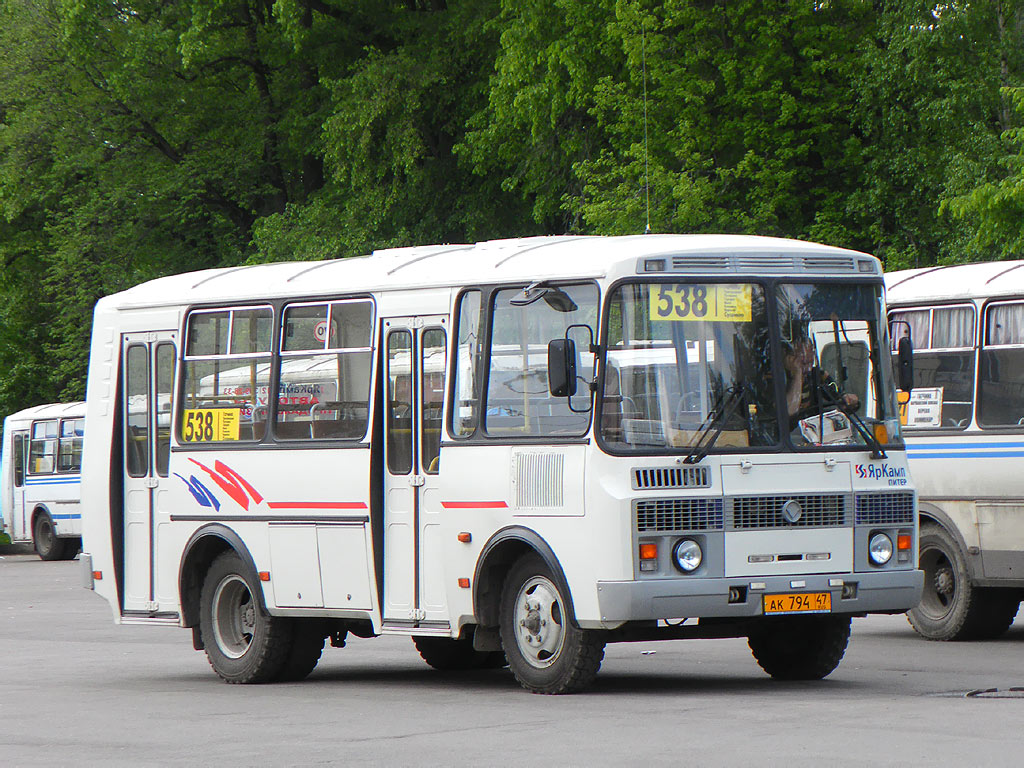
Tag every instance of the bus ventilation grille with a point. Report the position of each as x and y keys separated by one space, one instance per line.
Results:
x=679 y=515
x=885 y=508
x=817 y=510
x=671 y=477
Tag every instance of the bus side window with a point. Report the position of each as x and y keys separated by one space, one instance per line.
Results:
x=43 y=448
x=1001 y=370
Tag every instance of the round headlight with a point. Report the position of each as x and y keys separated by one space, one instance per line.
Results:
x=880 y=549
x=687 y=555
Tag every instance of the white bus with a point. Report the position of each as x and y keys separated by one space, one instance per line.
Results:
x=40 y=474
x=965 y=440
x=516 y=450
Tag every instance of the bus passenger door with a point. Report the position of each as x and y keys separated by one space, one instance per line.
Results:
x=415 y=360
x=20 y=523
x=147 y=366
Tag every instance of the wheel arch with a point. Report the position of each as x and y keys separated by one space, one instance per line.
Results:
x=930 y=513
x=498 y=555
x=38 y=509
x=201 y=550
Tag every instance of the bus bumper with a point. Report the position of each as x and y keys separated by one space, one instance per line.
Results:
x=85 y=560
x=882 y=592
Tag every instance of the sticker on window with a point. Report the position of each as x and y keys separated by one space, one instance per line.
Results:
x=203 y=425
x=716 y=302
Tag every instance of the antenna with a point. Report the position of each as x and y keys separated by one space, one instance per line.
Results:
x=647 y=185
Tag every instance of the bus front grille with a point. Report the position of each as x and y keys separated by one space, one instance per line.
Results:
x=678 y=515
x=885 y=508
x=816 y=510
x=645 y=478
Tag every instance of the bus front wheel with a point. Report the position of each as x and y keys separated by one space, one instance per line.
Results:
x=546 y=652
x=952 y=608
x=800 y=647
x=243 y=644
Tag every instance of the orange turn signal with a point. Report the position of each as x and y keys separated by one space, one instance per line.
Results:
x=881 y=434
x=903 y=541
x=264 y=575
x=97 y=575
x=465 y=537
x=464 y=583
x=648 y=551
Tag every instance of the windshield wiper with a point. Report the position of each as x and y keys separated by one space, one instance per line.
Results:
x=833 y=398
x=716 y=421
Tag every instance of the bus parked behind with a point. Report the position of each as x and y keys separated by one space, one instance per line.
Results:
x=40 y=473
x=964 y=424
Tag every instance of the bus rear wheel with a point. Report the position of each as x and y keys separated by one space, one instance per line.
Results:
x=952 y=608
x=47 y=544
x=800 y=647
x=546 y=652
x=243 y=644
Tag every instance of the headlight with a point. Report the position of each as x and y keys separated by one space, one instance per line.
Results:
x=687 y=555
x=880 y=549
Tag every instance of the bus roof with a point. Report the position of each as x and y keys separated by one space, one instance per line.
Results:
x=50 y=411
x=516 y=260
x=955 y=282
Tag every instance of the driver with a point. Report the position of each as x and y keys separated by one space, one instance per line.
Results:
x=798 y=360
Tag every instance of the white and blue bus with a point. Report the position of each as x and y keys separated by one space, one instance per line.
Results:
x=513 y=451
x=964 y=426
x=40 y=474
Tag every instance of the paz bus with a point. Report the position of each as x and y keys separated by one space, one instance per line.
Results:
x=964 y=424
x=512 y=452
x=40 y=474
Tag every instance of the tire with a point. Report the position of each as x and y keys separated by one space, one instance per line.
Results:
x=48 y=545
x=546 y=651
x=450 y=655
x=306 y=648
x=243 y=644
x=800 y=647
x=952 y=608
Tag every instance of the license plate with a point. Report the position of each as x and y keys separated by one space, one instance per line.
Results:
x=799 y=602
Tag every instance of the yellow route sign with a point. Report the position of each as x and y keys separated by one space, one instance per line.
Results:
x=722 y=302
x=205 y=425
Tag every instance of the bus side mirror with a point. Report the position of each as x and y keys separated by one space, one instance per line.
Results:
x=562 y=367
x=905 y=363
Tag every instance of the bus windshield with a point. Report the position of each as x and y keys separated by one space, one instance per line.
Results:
x=690 y=364
x=837 y=392
x=686 y=359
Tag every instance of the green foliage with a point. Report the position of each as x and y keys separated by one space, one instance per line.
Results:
x=143 y=138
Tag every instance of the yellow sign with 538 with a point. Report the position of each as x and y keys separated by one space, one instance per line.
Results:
x=723 y=302
x=203 y=425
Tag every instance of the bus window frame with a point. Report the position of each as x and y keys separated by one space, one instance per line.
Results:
x=56 y=446
x=277 y=305
x=184 y=358
x=479 y=434
x=981 y=330
x=979 y=313
x=61 y=438
x=279 y=355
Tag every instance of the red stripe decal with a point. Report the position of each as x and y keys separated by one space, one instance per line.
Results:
x=316 y=505
x=474 y=504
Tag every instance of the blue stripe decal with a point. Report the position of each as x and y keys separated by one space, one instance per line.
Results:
x=62 y=481
x=67 y=517
x=965 y=446
x=966 y=455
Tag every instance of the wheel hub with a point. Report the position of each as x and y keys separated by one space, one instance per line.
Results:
x=944 y=581
x=538 y=622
